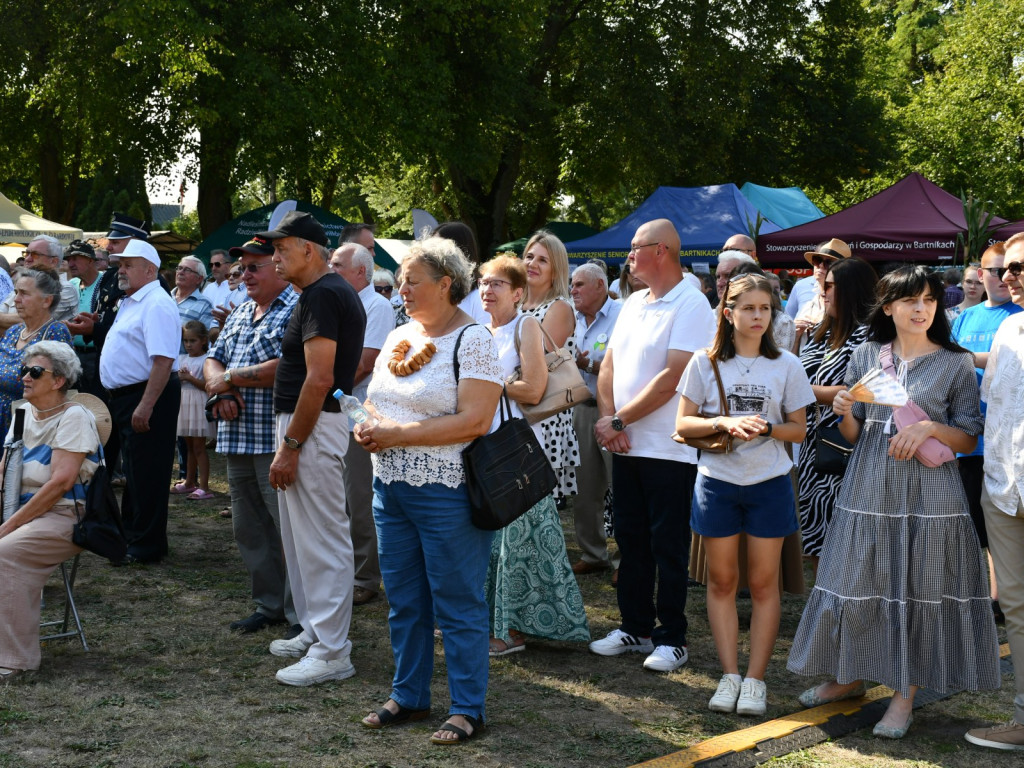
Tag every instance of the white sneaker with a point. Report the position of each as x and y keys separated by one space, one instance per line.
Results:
x=618 y=642
x=753 y=698
x=296 y=647
x=310 y=671
x=667 y=658
x=725 y=697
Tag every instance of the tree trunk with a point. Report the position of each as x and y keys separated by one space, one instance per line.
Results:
x=218 y=145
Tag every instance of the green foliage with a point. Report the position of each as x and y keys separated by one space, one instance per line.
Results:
x=963 y=124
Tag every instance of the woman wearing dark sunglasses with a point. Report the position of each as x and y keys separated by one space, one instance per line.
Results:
x=37 y=537
x=36 y=294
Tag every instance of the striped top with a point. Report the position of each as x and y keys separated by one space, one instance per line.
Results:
x=73 y=430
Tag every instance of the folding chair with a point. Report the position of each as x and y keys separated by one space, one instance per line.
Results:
x=65 y=628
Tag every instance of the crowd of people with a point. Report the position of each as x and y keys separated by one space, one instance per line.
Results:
x=327 y=509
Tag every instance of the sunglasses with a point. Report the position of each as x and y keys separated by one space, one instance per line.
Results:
x=384 y=289
x=35 y=371
x=817 y=261
x=1014 y=268
x=253 y=268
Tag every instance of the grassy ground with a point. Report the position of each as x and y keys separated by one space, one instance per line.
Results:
x=166 y=684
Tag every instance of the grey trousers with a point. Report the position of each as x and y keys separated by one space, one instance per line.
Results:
x=359 y=492
x=257 y=529
x=593 y=477
x=1006 y=544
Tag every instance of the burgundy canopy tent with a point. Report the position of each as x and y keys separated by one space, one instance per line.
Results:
x=1006 y=231
x=913 y=220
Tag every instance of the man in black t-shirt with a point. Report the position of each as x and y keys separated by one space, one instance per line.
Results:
x=320 y=351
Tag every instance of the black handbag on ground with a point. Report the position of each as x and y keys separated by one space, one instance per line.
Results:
x=506 y=472
x=831 y=450
x=100 y=530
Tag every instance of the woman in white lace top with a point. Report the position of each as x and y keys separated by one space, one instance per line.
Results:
x=435 y=388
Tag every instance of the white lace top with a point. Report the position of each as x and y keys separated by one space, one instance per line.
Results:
x=425 y=394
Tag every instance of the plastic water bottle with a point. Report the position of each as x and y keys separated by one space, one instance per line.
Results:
x=354 y=409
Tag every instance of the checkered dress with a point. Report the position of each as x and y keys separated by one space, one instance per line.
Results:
x=902 y=595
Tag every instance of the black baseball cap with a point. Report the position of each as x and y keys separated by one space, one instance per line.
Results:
x=258 y=246
x=298 y=224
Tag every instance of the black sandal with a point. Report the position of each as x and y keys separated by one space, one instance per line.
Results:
x=386 y=718
x=460 y=733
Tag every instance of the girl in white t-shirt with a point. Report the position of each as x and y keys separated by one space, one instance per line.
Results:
x=749 y=489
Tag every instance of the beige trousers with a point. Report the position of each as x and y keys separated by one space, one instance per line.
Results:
x=27 y=558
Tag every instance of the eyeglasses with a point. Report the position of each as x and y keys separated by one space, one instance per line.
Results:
x=26 y=253
x=973 y=283
x=180 y=268
x=493 y=282
x=36 y=371
x=817 y=261
x=236 y=274
x=1014 y=268
x=635 y=248
x=253 y=268
x=216 y=263
x=384 y=289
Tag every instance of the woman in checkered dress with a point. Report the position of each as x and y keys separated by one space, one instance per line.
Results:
x=902 y=595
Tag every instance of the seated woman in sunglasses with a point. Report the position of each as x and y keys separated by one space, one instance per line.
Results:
x=59 y=456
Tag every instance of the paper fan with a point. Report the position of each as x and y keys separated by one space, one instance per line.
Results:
x=877 y=386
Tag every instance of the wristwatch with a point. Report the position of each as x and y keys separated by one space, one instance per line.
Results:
x=292 y=443
x=767 y=432
x=227 y=376
x=590 y=366
x=618 y=424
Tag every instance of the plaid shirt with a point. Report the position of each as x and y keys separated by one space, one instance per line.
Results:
x=245 y=342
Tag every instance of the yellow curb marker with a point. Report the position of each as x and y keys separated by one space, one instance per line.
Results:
x=748 y=738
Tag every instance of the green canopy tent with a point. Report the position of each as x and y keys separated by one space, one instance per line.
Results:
x=239 y=230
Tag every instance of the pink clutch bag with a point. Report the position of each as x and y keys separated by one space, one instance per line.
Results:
x=932 y=453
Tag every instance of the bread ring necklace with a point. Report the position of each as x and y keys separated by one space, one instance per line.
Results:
x=400 y=366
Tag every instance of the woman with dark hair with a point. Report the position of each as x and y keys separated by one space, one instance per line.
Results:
x=901 y=596
x=849 y=296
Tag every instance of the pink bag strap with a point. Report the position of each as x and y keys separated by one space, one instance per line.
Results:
x=885 y=359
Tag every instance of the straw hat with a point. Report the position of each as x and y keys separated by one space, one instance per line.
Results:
x=91 y=403
x=95 y=406
x=833 y=250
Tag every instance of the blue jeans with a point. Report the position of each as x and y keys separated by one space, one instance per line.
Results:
x=652 y=528
x=434 y=561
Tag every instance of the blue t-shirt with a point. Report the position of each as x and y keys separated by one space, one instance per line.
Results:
x=974 y=329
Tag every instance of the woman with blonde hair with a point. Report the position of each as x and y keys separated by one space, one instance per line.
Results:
x=547 y=299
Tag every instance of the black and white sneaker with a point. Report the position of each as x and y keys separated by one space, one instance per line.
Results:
x=618 y=642
x=667 y=658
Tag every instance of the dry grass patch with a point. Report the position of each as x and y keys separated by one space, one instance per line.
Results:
x=167 y=685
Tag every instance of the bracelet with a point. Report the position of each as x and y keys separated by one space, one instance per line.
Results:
x=715 y=424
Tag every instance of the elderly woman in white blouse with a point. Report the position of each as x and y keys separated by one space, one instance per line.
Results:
x=433 y=559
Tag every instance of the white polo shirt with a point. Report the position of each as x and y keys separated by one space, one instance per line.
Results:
x=217 y=293
x=147 y=325
x=644 y=333
x=380 y=321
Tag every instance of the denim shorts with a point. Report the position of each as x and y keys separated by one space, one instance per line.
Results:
x=766 y=510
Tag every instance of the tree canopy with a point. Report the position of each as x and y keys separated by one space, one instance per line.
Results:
x=504 y=113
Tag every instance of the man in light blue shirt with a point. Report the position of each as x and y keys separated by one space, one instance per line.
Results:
x=596 y=313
